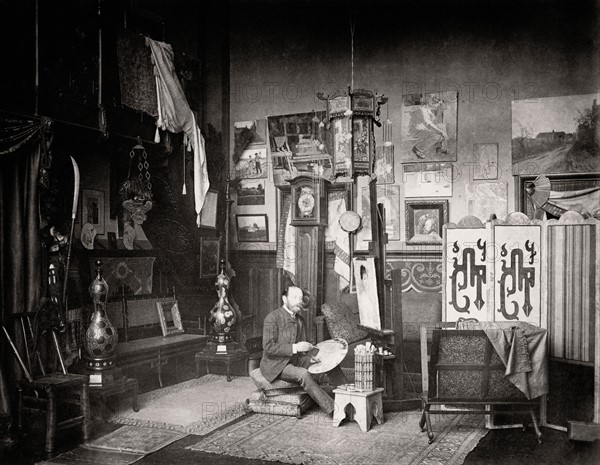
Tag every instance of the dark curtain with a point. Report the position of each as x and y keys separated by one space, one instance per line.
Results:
x=22 y=142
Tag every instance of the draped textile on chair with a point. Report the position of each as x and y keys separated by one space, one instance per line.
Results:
x=22 y=141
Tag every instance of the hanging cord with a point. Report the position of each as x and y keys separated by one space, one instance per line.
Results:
x=184 y=190
x=352 y=28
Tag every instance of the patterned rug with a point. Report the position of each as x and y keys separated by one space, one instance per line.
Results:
x=313 y=440
x=83 y=456
x=197 y=406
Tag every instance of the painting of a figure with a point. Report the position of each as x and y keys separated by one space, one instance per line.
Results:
x=252 y=164
x=556 y=135
x=366 y=292
x=429 y=127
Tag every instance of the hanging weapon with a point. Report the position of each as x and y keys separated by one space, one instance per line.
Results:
x=73 y=215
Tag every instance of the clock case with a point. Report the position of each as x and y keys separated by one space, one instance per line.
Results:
x=318 y=216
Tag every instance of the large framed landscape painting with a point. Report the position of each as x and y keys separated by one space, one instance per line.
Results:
x=555 y=135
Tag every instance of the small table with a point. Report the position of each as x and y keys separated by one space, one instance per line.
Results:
x=367 y=404
x=120 y=386
x=225 y=357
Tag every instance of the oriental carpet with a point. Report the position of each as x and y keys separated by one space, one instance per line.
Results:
x=312 y=440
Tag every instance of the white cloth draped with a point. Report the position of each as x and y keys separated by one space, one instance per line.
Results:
x=289 y=248
x=175 y=115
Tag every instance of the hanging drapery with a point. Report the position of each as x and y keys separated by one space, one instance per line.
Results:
x=175 y=115
x=21 y=146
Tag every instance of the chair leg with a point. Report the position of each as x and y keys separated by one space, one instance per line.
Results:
x=428 y=423
x=20 y=409
x=50 y=422
x=536 y=426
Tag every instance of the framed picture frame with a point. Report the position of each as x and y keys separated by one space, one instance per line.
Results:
x=424 y=221
x=252 y=228
x=169 y=317
x=92 y=209
x=208 y=214
x=209 y=257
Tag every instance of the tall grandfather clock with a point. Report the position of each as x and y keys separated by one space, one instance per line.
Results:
x=309 y=216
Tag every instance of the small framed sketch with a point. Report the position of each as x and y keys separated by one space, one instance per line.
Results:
x=92 y=209
x=209 y=257
x=208 y=214
x=169 y=317
x=485 y=157
x=252 y=228
x=424 y=221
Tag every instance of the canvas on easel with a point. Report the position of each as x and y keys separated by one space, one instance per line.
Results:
x=366 y=292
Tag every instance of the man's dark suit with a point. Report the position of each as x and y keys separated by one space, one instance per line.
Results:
x=280 y=331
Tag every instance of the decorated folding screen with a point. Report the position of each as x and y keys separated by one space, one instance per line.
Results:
x=572 y=283
x=465 y=290
x=517 y=272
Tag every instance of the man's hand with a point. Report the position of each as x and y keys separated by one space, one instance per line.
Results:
x=303 y=346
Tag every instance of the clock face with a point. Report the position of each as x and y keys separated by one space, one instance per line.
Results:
x=306 y=203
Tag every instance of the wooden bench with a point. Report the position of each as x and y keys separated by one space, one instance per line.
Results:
x=141 y=342
x=464 y=371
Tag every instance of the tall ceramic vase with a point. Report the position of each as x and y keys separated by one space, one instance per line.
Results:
x=101 y=336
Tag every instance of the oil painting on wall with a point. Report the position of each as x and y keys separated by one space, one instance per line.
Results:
x=429 y=126
x=555 y=135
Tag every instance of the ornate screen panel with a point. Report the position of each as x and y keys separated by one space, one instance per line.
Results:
x=465 y=278
x=517 y=273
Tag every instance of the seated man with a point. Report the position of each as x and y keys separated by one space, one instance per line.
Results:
x=286 y=351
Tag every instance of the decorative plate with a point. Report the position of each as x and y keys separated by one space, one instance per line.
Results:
x=350 y=221
x=88 y=234
x=331 y=353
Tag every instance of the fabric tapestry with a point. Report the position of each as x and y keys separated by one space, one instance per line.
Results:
x=342 y=323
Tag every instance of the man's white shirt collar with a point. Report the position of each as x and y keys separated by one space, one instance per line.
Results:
x=292 y=314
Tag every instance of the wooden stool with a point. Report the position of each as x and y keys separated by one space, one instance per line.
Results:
x=217 y=357
x=367 y=404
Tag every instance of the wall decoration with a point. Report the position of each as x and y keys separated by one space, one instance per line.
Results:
x=465 y=261
x=112 y=240
x=427 y=180
x=250 y=192
x=389 y=196
x=420 y=272
x=555 y=135
x=208 y=214
x=429 y=127
x=297 y=139
x=424 y=221
x=485 y=157
x=366 y=291
x=132 y=275
x=257 y=128
x=384 y=164
x=252 y=164
x=486 y=198
x=169 y=317
x=517 y=273
x=209 y=257
x=92 y=209
x=252 y=228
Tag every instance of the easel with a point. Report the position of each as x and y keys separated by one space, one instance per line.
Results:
x=390 y=299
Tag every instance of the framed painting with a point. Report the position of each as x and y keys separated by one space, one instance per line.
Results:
x=427 y=179
x=485 y=157
x=252 y=164
x=250 y=192
x=424 y=221
x=366 y=292
x=252 y=228
x=389 y=196
x=429 y=127
x=209 y=257
x=555 y=135
x=208 y=214
x=169 y=317
x=92 y=209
